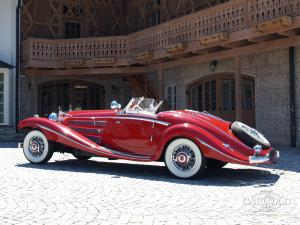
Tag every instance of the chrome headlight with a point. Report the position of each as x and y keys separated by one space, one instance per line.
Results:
x=53 y=116
x=257 y=149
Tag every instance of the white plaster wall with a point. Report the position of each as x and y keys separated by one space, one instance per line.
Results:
x=8 y=50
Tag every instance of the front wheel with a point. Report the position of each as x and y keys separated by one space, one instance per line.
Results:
x=184 y=159
x=37 y=148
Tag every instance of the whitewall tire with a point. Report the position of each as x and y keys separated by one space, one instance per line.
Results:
x=36 y=147
x=184 y=159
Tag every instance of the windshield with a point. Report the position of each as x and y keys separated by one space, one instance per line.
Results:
x=142 y=105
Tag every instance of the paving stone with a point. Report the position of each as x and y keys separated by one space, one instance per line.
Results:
x=99 y=191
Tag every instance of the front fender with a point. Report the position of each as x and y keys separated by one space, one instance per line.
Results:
x=209 y=144
x=57 y=132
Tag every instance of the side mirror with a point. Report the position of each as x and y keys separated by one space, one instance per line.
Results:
x=115 y=105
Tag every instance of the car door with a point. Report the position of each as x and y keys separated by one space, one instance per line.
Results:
x=130 y=133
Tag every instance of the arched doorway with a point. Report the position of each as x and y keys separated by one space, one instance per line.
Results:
x=216 y=94
x=63 y=93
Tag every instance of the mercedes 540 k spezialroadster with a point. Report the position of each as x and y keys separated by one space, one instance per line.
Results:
x=187 y=141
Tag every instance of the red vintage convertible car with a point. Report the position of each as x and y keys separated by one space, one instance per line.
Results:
x=187 y=141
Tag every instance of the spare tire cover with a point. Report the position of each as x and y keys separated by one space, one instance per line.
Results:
x=248 y=135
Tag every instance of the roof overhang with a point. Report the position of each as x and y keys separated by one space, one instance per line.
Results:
x=5 y=65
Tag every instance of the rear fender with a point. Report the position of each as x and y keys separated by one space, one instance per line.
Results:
x=210 y=146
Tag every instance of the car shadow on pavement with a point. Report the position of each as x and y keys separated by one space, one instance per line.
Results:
x=220 y=177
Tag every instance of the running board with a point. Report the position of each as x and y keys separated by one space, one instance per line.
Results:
x=129 y=156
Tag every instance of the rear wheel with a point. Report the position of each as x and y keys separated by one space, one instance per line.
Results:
x=184 y=159
x=36 y=147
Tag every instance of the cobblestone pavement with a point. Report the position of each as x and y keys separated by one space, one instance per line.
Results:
x=98 y=191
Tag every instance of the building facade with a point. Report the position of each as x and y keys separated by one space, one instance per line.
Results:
x=237 y=59
x=7 y=61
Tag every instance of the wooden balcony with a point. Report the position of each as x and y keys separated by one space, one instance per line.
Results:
x=235 y=18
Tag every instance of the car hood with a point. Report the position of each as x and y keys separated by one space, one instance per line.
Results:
x=89 y=113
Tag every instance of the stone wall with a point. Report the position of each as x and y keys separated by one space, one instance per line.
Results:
x=271 y=72
x=272 y=93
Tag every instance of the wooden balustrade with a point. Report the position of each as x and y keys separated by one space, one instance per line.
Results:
x=83 y=48
x=228 y=17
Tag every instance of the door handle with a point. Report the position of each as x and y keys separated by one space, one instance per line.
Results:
x=118 y=122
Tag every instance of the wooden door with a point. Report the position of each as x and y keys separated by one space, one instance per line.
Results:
x=248 y=101
x=227 y=100
x=217 y=96
x=204 y=96
x=81 y=95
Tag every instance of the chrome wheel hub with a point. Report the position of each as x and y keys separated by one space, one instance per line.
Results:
x=183 y=158
x=36 y=146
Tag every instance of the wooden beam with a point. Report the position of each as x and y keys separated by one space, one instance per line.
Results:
x=289 y=33
x=237 y=44
x=87 y=72
x=238 y=88
x=246 y=50
x=261 y=39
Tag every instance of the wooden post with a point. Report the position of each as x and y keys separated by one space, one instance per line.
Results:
x=238 y=89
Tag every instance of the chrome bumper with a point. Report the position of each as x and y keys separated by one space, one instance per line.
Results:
x=271 y=157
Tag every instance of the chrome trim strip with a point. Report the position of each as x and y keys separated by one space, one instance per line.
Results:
x=81 y=122
x=144 y=119
x=100 y=123
x=261 y=159
x=258 y=159
x=109 y=151
x=129 y=118
x=86 y=130
x=211 y=147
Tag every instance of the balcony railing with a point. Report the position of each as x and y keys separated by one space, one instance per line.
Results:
x=231 y=16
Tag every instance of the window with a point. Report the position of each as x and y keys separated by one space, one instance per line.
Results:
x=197 y=98
x=247 y=94
x=154 y=18
x=171 y=97
x=153 y=13
x=204 y=96
x=72 y=30
x=210 y=96
x=1 y=98
x=127 y=95
x=228 y=95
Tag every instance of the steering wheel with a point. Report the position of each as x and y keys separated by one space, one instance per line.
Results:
x=137 y=108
